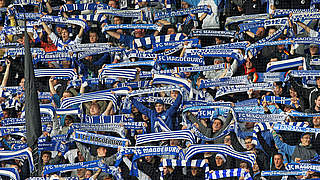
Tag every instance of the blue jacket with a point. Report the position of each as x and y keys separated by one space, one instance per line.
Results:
x=167 y=115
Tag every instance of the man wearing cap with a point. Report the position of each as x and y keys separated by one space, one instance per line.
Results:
x=159 y=112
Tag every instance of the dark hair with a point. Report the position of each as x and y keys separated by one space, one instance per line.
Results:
x=278 y=154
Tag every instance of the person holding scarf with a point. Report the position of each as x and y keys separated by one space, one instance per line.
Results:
x=159 y=111
x=65 y=38
x=303 y=151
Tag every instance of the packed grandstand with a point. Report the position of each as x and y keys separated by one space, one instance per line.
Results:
x=160 y=89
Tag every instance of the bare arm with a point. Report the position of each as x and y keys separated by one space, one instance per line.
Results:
x=46 y=28
x=52 y=90
x=49 y=8
x=80 y=32
x=109 y=110
x=305 y=27
x=6 y=74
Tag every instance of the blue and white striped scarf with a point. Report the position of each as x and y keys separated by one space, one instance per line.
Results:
x=212 y=52
x=130 y=64
x=99 y=140
x=304 y=73
x=141 y=54
x=267 y=126
x=156 y=90
x=86 y=97
x=160 y=125
x=68 y=111
x=199 y=135
x=106 y=127
x=237 y=19
x=199 y=68
x=284 y=64
x=169 y=45
x=151 y=137
x=164 y=79
x=210 y=32
x=224 y=81
x=48 y=169
x=63 y=20
x=133 y=85
x=118 y=73
x=26 y=2
x=90 y=82
x=182 y=12
x=305 y=16
x=83 y=7
x=251 y=109
x=92 y=52
x=146 y=41
x=182 y=163
x=223 y=90
x=12 y=173
x=279 y=100
x=228 y=173
x=220 y=148
x=303 y=167
x=179 y=60
x=105 y=119
x=69 y=73
x=90 y=17
x=209 y=111
x=25 y=153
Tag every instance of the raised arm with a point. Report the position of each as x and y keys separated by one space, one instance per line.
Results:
x=114 y=34
x=6 y=74
x=46 y=28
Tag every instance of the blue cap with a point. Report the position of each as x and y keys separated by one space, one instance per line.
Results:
x=159 y=101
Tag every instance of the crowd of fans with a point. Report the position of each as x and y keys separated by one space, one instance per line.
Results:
x=187 y=103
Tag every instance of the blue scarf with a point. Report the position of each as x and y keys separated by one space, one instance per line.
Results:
x=164 y=79
x=182 y=12
x=10 y=172
x=130 y=64
x=69 y=73
x=99 y=140
x=179 y=60
x=151 y=137
x=118 y=73
x=52 y=56
x=236 y=45
x=210 y=32
x=48 y=169
x=223 y=90
x=169 y=45
x=147 y=41
x=106 y=127
x=284 y=127
x=284 y=173
x=219 y=148
x=9 y=155
x=286 y=12
x=62 y=20
x=267 y=22
x=252 y=117
x=228 y=173
x=151 y=99
x=223 y=81
x=303 y=167
x=121 y=13
x=14 y=121
x=279 y=100
x=269 y=77
x=105 y=119
x=109 y=27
